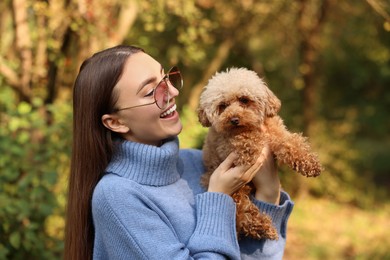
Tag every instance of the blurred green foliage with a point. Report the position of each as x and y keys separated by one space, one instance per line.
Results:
x=32 y=152
x=193 y=133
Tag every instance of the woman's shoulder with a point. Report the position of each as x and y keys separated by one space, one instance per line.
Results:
x=111 y=189
x=113 y=182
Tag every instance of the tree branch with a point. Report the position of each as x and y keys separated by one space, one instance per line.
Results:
x=215 y=64
x=126 y=19
x=379 y=9
x=12 y=78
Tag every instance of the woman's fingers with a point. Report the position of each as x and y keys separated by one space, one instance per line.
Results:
x=228 y=178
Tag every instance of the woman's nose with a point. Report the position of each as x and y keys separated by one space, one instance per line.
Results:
x=173 y=92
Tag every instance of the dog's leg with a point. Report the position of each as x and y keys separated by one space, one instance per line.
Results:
x=250 y=221
x=292 y=149
x=248 y=146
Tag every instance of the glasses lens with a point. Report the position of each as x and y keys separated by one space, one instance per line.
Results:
x=174 y=77
x=161 y=94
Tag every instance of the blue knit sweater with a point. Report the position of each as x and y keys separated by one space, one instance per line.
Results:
x=150 y=205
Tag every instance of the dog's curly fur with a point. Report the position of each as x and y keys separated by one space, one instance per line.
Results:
x=236 y=104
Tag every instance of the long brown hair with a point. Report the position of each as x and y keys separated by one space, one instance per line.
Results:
x=93 y=97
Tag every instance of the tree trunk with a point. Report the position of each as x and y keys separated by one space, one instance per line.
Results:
x=309 y=27
x=309 y=56
x=23 y=44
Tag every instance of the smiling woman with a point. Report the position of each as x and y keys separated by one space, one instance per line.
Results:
x=133 y=194
x=150 y=95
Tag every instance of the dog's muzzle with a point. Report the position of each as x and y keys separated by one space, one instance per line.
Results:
x=235 y=121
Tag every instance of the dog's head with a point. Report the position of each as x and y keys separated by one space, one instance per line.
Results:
x=236 y=99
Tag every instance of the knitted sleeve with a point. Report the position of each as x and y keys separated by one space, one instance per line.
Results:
x=130 y=226
x=215 y=229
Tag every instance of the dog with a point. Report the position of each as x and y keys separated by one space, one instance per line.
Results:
x=241 y=113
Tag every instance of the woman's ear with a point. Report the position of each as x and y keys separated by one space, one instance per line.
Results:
x=113 y=123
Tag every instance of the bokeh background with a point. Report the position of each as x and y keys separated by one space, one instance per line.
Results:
x=327 y=60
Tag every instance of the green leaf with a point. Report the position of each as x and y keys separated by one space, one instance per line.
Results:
x=14 y=239
x=23 y=137
x=24 y=108
x=3 y=252
x=14 y=124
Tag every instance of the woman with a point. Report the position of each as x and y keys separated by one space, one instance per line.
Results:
x=132 y=193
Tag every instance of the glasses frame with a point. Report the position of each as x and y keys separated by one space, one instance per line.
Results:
x=171 y=71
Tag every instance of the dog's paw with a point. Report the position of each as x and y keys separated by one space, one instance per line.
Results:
x=309 y=166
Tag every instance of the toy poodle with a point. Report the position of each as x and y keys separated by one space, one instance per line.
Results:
x=238 y=106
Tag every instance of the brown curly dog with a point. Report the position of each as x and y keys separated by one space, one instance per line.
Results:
x=237 y=106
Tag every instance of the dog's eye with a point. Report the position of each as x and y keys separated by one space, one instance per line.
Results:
x=222 y=107
x=244 y=100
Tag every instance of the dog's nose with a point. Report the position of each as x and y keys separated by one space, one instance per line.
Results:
x=234 y=121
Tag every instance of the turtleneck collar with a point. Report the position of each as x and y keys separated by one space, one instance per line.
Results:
x=146 y=164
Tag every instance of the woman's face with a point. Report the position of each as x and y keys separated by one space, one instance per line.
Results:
x=144 y=124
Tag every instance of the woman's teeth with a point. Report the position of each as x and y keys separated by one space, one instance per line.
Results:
x=168 y=112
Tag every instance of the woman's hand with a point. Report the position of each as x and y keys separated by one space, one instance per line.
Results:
x=228 y=178
x=267 y=181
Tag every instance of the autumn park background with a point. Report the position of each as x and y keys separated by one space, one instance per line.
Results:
x=327 y=60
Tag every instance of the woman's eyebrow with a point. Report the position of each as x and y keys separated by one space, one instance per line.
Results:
x=149 y=80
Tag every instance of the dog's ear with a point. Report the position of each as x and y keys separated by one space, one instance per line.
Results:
x=273 y=104
x=203 y=118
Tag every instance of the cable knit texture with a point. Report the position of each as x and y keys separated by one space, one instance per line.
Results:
x=150 y=205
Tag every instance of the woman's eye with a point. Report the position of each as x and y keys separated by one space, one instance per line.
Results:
x=150 y=93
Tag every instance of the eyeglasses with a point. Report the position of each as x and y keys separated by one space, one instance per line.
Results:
x=161 y=91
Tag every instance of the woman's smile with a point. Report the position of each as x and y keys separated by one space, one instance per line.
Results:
x=169 y=112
